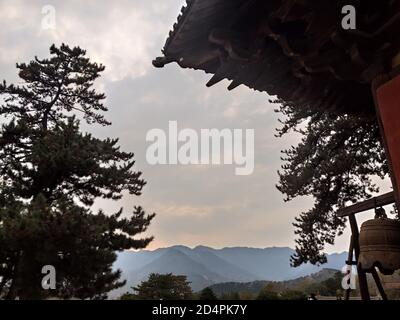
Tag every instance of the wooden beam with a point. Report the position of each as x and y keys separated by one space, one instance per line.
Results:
x=369 y=204
x=379 y=284
x=363 y=282
x=355 y=233
x=362 y=277
x=350 y=263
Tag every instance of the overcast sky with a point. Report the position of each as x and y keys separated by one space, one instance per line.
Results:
x=195 y=205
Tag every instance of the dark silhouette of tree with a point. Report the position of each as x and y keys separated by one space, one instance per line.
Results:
x=334 y=163
x=207 y=294
x=164 y=287
x=50 y=175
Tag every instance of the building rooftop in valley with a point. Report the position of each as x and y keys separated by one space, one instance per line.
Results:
x=296 y=50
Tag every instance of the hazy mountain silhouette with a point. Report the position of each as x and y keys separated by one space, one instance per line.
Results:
x=176 y=262
x=206 y=266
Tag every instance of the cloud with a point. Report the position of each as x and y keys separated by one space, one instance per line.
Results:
x=206 y=205
x=125 y=35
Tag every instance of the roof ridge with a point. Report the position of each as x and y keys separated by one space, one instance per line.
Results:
x=178 y=25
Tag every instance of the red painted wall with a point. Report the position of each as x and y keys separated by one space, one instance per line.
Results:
x=388 y=100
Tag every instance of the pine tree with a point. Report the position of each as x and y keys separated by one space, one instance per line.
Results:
x=164 y=287
x=51 y=174
x=335 y=162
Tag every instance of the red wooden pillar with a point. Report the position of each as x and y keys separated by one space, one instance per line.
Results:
x=386 y=91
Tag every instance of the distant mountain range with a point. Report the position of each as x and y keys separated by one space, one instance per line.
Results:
x=206 y=266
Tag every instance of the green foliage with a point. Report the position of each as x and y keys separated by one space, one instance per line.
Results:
x=207 y=294
x=332 y=285
x=230 y=296
x=328 y=287
x=325 y=283
x=51 y=173
x=163 y=287
x=129 y=296
x=246 y=296
x=334 y=163
x=293 y=295
x=266 y=294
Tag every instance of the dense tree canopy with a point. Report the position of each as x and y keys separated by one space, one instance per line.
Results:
x=50 y=175
x=268 y=293
x=207 y=294
x=164 y=287
x=334 y=162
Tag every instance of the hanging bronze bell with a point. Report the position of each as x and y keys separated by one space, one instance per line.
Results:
x=380 y=245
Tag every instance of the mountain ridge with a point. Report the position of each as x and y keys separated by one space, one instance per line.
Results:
x=205 y=266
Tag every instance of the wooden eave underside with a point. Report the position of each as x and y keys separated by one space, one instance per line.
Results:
x=293 y=49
